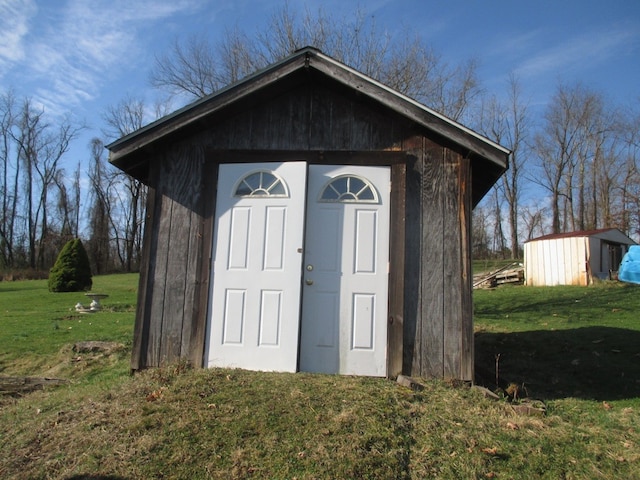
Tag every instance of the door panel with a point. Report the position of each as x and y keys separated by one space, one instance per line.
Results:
x=344 y=309
x=365 y=242
x=270 y=317
x=255 y=300
x=363 y=323
x=238 y=242
x=275 y=238
x=234 y=316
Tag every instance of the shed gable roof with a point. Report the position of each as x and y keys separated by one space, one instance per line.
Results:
x=124 y=152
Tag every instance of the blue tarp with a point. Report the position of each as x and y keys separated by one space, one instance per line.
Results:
x=630 y=266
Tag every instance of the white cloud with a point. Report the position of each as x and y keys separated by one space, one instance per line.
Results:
x=14 y=26
x=85 y=44
x=583 y=51
x=513 y=45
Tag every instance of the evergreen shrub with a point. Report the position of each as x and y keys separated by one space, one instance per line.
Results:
x=71 y=272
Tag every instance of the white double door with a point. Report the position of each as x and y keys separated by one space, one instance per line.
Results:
x=300 y=268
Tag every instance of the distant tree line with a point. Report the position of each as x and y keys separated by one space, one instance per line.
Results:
x=583 y=154
x=40 y=208
x=42 y=204
x=582 y=157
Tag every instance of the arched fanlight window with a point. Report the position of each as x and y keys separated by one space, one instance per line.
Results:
x=349 y=189
x=261 y=184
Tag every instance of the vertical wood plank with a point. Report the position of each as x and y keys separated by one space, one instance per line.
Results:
x=145 y=286
x=193 y=241
x=412 y=356
x=260 y=127
x=362 y=124
x=183 y=171
x=278 y=124
x=219 y=135
x=432 y=262
x=236 y=132
x=341 y=123
x=452 y=267
x=380 y=130
x=204 y=236
x=158 y=274
x=396 y=272
x=175 y=283
x=320 y=115
x=300 y=111
x=467 y=371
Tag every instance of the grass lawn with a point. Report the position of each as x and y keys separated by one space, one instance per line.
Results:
x=574 y=348
x=39 y=328
x=559 y=342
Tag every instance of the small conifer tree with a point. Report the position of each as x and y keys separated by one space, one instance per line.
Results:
x=71 y=272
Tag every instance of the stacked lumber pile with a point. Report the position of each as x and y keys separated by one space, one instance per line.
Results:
x=512 y=274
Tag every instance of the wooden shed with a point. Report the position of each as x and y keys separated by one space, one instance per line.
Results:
x=574 y=258
x=308 y=218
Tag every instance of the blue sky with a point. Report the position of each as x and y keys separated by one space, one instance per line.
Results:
x=79 y=56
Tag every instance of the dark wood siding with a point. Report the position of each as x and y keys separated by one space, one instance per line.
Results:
x=438 y=310
x=307 y=118
x=395 y=331
x=174 y=280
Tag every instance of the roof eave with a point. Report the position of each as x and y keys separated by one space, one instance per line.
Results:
x=201 y=108
x=413 y=110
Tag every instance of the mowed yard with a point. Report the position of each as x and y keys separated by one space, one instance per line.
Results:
x=574 y=352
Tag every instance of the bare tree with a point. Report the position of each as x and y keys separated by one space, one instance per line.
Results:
x=480 y=233
x=100 y=221
x=31 y=151
x=40 y=147
x=68 y=204
x=629 y=207
x=559 y=147
x=194 y=67
x=533 y=221
x=596 y=163
x=236 y=58
x=127 y=196
x=585 y=161
x=123 y=118
x=499 y=242
x=507 y=122
x=10 y=180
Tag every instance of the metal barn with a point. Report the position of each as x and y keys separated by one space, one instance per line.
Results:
x=574 y=258
x=309 y=218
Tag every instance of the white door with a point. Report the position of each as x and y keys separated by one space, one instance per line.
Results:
x=345 y=277
x=255 y=303
x=258 y=269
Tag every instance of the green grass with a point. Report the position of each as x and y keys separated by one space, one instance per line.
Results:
x=175 y=422
x=39 y=327
x=561 y=341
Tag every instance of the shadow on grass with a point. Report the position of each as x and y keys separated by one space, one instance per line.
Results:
x=596 y=363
